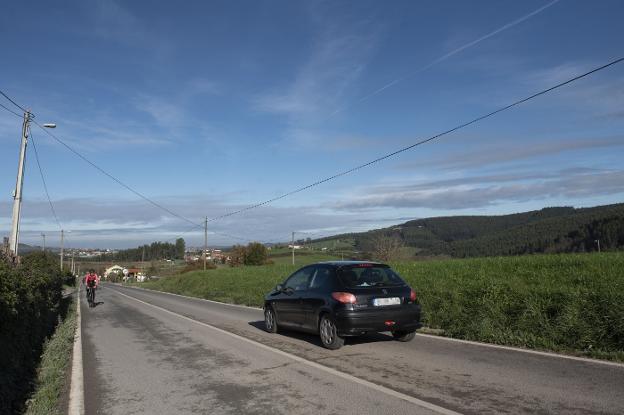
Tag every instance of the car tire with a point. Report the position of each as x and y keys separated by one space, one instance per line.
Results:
x=329 y=333
x=404 y=336
x=270 y=320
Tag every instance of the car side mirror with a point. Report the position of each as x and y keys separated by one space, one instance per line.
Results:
x=279 y=288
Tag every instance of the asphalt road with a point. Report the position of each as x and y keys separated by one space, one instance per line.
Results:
x=156 y=353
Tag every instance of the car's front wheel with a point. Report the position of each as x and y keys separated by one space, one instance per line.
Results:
x=329 y=333
x=270 y=321
x=404 y=336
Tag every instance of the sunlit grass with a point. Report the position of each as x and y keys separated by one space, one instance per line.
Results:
x=52 y=371
x=567 y=302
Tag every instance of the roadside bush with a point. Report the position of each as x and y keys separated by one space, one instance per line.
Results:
x=237 y=256
x=30 y=303
x=197 y=266
x=115 y=276
x=254 y=253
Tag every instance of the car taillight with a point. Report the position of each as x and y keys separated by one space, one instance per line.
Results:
x=345 y=298
x=412 y=295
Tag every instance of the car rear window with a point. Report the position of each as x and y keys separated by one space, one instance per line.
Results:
x=369 y=276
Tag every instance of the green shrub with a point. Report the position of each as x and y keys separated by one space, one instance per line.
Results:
x=30 y=299
x=255 y=254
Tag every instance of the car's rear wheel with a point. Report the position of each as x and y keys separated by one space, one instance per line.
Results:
x=270 y=322
x=329 y=333
x=404 y=336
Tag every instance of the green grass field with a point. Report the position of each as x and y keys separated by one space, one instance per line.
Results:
x=571 y=303
x=301 y=257
x=52 y=374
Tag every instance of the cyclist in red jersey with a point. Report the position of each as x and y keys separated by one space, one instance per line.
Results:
x=91 y=281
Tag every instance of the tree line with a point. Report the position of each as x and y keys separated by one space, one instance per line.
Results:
x=549 y=230
x=151 y=252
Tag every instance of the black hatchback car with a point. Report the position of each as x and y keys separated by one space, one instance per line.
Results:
x=343 y=298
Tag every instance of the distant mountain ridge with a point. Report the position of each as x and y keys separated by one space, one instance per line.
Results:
x=549 y=230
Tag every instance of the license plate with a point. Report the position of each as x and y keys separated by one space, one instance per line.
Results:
x=386 y=301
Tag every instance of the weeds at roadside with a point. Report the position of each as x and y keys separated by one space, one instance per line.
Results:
x=52 y=373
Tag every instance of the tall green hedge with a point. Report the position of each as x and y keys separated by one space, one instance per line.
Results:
x=30 y=303
x=565 y=302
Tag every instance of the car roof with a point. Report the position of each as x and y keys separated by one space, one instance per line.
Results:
x=345 y=263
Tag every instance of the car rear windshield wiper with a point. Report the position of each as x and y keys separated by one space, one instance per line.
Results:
x=386 y=284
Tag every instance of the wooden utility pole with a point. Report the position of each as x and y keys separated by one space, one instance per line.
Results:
x=293 y=248
x=143 y=261
x=62 y=242
x=17 y=193
x=205 y=240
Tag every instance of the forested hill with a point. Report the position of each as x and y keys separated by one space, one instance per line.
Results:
x=154 y=251
x=555 y=229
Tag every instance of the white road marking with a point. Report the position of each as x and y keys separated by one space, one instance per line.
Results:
x=193 y=298
x=346 y=376
x=432 y=336
x=76 y=392
x=518 y=349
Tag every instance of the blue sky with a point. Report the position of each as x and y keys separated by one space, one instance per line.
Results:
x=213 y=106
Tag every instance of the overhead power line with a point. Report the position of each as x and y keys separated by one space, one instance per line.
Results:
x=13 y=102
x=419 y=143
x=10 y=110
x=101 y=170
x=226 y=235
x=449 y=55
x=115 y=179
x=45 y=186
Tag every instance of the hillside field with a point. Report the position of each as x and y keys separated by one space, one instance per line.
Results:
x=571 y=303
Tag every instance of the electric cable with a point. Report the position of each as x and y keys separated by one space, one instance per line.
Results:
x=13 y=102
x=45 y=186
x=115 y=179
x=419 y=143
x=10 y=110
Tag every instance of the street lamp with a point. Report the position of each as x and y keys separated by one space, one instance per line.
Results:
x=17 y=193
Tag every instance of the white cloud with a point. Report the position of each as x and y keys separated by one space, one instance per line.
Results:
x=113 y=21
x=495 y=153
x=338 y=57
x=475 y=192
x=126 y=222
x=323 y=81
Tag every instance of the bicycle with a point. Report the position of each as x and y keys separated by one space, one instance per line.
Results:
x=91 y=296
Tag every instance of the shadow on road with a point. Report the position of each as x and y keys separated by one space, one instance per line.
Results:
x=316 y=341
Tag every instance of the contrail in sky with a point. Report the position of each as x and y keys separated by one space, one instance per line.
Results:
x=453 y=52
